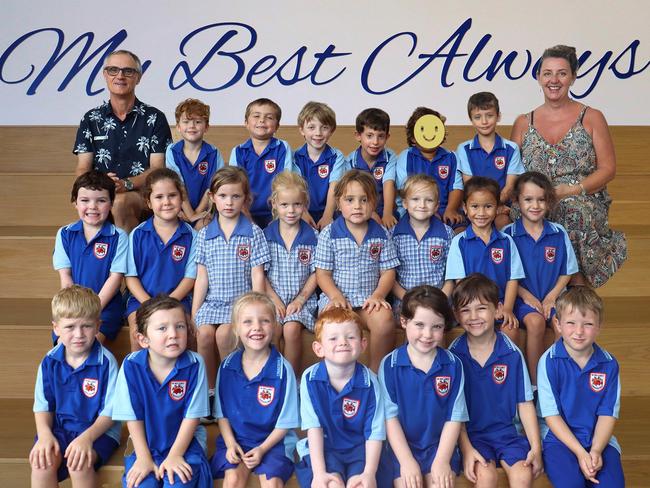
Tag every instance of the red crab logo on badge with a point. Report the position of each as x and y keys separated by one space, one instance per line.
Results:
x=265 y=395
x=443 y=172
x=549 y=254
x=497 y=255
x=499 y=373
x=597 y=381
x=350 y=407
x=304 y=256
x=435 y=253
x=500 y=162
x=375 y=251
x=442 y=385
x=178 y=252
x=243 y=252
x=378 y=172
x=323 y=170
x=269 y=165
x=89 y=387
x=203 y=167
x=177 y=389
x=100 y=250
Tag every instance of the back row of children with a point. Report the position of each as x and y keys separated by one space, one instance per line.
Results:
x=425 y=401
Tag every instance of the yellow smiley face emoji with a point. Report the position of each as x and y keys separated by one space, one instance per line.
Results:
x=429 y=131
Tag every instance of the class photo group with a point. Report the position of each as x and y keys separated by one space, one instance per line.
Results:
x=218 y=269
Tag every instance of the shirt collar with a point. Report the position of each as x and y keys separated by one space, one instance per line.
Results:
x=340 y=230
x=273 y=368
x=498 y=143
x=494 y=234
x=142 y=358
x=597 y=357
x=243 y=228
x=436 y=228
x=360 y=378
x=94 y=358
x=382 y=157
x=520 y=230
x=306 y=235
x=203 y=153
x=324 y=156
x=272 y=143
x=181 y=229
x=441 y=153
x=404 y=360
x=107 y=108
x=107 y=229
x=502 y=347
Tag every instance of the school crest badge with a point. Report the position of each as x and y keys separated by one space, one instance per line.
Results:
x=178 y=252
x=323 y=171
x=244 y=252
x=597 y=381
x=304 y=256
x=435 y=253
x=499 y=373
x=350 y=407
x=177 y=389
x=375 y=250
x=378 y=173
x=265 y=395
x=549 y=254
x=270 y=165
x=497 y=255
x=442 y=385
x=89 y=387
x=443 y=171
x=203 y=168
x=500 y=162
x=100 y=250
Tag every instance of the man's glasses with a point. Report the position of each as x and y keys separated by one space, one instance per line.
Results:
x=114 y=71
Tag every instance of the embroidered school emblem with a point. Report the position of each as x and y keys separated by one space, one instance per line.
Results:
x=597 y=381
x=500 y=162
x=323 y=170
x=203 y=167
x=304 y=256
x=100 y=250
x=269 y=165
x=549 y=254
x=443 y=172
x=442 y=385
x=265 y=395
x=378 y=172
x=497 y=255
x=89 y=387
x=350 y=407
x=177 y=389
x=375 y=250
x=499 y=373
x=178 y=252
x=435 y=253
x=244 y=252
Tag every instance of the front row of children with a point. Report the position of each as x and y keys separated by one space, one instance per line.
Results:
x=425 y=401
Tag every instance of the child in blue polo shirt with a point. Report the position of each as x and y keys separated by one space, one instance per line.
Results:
x=422 y=377
x=256 y=403
x=372 y=130
x=421 y=239
x=230 y=255
x=356 y=261
x=161 y=393
x=579 y=398
x=193 y=159
x=320 y=164
x=92 y=251
x=161 y=249
x=497 y=389
x=488 y=154
x=548 y=259
x=484 y=249
x=291 y=274
x=341 y=408
x=438 y=163
x=262 y=156
x=73 y=397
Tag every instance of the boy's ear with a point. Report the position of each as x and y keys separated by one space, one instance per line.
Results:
x=55 y=328
x=556 y=324
x=499 y=311
x=402 y=322
x=142 y=339
x=317 y=347
x=364 y=344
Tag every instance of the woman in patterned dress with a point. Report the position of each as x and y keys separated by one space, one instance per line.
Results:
x=570 y=143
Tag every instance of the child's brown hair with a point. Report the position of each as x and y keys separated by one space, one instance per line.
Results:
x=429 y=297
x=319 y=111
x=539 y=179
x=475 y=287
x=364 y=179
x=160 y=174
x=481 y=183
x=153 y=305
x=416 y=180
x=581 y=298
x=264 y=101
x=230 y=175
x=193 y=107
x=410 y=124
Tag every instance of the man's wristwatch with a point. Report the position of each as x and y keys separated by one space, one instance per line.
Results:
x=128 y=184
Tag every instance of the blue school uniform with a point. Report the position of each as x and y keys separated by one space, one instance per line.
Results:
x=161 y=267
x=229 y=264
x=443 y=168
x=197 y=175
x=503 y=160
x=436 y=395
x=544 y=260
x=579 y=396
x=91 y=263
x=261 y=170
x=377 y=171
x=492 y=392
x=162 y=408
x=348 y=418
x=498 y=260
x=356 y=269
x=319 y=175
x=76 y=397
x=254 y=408
x=288 y=271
